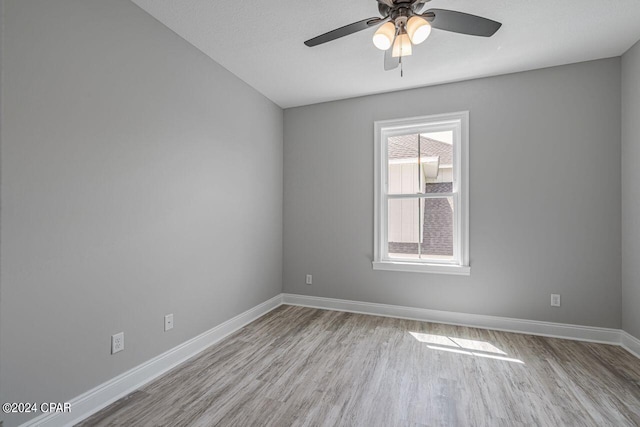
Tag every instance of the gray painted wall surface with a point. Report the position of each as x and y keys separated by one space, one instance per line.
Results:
x=631 y=191
x=139 y=178
x=545 y=197
x=1 y=127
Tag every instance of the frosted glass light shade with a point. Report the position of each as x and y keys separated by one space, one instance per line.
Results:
x=383 y=37
x=418 y=29
x=402 y=46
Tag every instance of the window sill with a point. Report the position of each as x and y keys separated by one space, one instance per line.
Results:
x=414 y=267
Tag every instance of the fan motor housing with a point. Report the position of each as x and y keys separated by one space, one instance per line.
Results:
x=400 y=15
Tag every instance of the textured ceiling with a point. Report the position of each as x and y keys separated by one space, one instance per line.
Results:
x=262 y=42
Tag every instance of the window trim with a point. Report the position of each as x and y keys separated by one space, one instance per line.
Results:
x=382 y=130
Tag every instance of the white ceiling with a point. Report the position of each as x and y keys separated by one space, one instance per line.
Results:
x=262 y=42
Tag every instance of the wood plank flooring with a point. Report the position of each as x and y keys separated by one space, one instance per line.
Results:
x=306 y=367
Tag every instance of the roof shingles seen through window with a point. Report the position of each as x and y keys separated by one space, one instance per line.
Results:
x=406 y=147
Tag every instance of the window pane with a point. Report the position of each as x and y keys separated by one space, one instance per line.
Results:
x=403 y=228
x=429 y=221
x=435 y=173
x=437 y=228
x=436 y=159
x=403 y=165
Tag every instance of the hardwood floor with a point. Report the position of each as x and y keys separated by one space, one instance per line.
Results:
x=307 y=367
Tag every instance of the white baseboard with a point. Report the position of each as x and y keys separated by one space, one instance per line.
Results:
x=630 y=343
x=532 y=327
x=99 y=397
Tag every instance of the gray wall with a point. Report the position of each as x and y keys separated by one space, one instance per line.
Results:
x=139 y=178
x=1 y=127
x=545 y=197
x=631 y=191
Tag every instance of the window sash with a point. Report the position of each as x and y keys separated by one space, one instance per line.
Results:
x=456 y=260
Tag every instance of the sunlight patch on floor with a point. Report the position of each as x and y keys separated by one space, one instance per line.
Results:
x=463 y=346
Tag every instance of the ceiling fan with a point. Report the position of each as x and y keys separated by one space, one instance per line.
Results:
x=405 y=23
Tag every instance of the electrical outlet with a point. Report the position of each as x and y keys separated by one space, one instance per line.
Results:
x=555 y=300
x=117 y=342
x=168 y=322
x=309 y=279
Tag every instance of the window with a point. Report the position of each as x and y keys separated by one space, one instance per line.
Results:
x=421 y=194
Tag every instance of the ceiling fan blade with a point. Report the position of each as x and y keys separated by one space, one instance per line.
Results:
x=464 y=23
x=390 y=63
x=419 y=5
x=344 y=31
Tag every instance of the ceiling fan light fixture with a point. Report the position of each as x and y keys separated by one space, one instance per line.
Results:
x=402 y=46
x=418 y=29
x=383 y=37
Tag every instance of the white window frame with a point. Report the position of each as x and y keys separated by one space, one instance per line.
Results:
x=458 y=123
